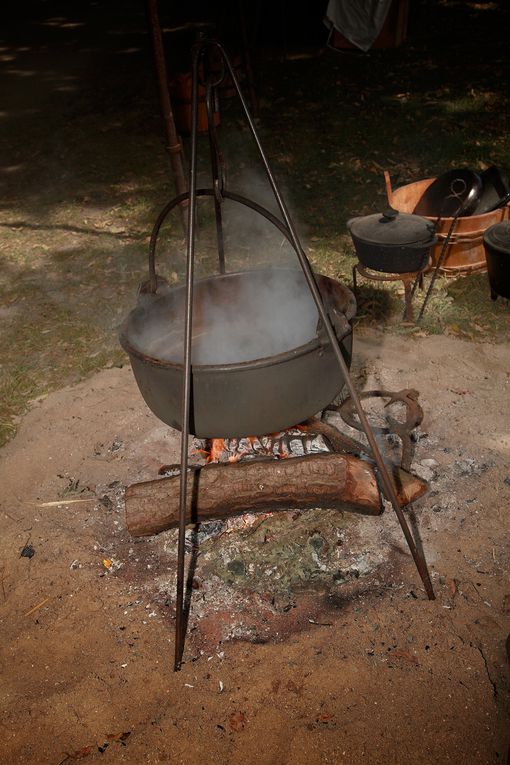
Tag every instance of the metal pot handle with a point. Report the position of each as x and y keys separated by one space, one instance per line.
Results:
x=340 y=324
x=152 y=284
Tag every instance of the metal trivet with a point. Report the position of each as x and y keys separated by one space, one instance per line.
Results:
x=410 y=280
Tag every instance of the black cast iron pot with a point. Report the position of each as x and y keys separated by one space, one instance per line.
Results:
x=497 y=252
x=393 y=242
x=261 y=362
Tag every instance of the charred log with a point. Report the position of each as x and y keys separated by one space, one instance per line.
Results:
x=328 y=481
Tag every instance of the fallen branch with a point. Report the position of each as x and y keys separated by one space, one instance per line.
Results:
x=60 y=502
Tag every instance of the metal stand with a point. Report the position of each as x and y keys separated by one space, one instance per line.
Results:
x=287 y=227
x=410 y=280
x=440 y=261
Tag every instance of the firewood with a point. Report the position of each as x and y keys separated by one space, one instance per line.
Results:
x=328 y=481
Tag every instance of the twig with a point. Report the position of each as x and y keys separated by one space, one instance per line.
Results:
x=37 y=606
x=64 y=502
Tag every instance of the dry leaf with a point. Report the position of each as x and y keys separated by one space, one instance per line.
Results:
x=237 y=721
x=324 y=719
x=122 y=737
x=405 y=656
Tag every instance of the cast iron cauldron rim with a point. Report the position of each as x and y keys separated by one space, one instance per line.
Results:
x=265 y=361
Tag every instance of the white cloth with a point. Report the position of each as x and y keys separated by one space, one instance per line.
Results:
x=359 y=21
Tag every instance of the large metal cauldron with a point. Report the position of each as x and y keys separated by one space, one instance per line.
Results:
x=268 y=362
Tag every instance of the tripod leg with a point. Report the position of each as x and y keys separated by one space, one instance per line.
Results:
x=354 y=279
x=186 y=387
x=386 y=480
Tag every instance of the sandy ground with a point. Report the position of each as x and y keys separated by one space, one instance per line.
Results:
x=380 y=676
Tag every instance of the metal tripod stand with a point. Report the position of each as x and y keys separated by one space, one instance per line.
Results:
x=285 y=224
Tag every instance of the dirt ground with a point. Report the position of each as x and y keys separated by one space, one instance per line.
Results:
x=376 y=674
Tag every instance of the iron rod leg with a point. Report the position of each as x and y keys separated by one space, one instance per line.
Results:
x=440 y=261
x=386 y=479
x=354 y=280
x=174 y=143
x=219 y=235
x=186 y=390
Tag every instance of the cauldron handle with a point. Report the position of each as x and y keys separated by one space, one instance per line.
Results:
x=153 y=278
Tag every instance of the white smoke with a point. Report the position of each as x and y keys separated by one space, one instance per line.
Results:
x=238 y=318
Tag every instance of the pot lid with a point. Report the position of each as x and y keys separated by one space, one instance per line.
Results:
x=498 y=236
x=392 y=228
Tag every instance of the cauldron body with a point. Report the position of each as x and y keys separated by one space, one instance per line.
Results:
x=252 y=397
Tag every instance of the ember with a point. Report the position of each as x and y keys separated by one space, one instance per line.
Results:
x=297 y=441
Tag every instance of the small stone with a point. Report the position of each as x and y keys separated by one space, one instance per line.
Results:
x=236 y=567
x=470 y=467
x=106 y=502
x=430 y=462
x=507 y=480
x=422 y=471
x=317 y=542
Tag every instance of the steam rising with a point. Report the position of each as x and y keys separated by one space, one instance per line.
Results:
x=236 y=318
x=239 y=317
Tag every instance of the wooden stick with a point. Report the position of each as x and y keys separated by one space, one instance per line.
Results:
x=59 y=502
x=37 y=606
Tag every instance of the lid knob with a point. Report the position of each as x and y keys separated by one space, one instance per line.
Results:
x=388 y=215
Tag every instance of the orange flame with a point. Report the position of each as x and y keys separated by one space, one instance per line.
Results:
x=216 y=446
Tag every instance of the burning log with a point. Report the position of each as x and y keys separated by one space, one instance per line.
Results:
x=328 y=481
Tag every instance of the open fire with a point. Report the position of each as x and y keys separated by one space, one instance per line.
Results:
x=296 y=441
x=314 y=464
